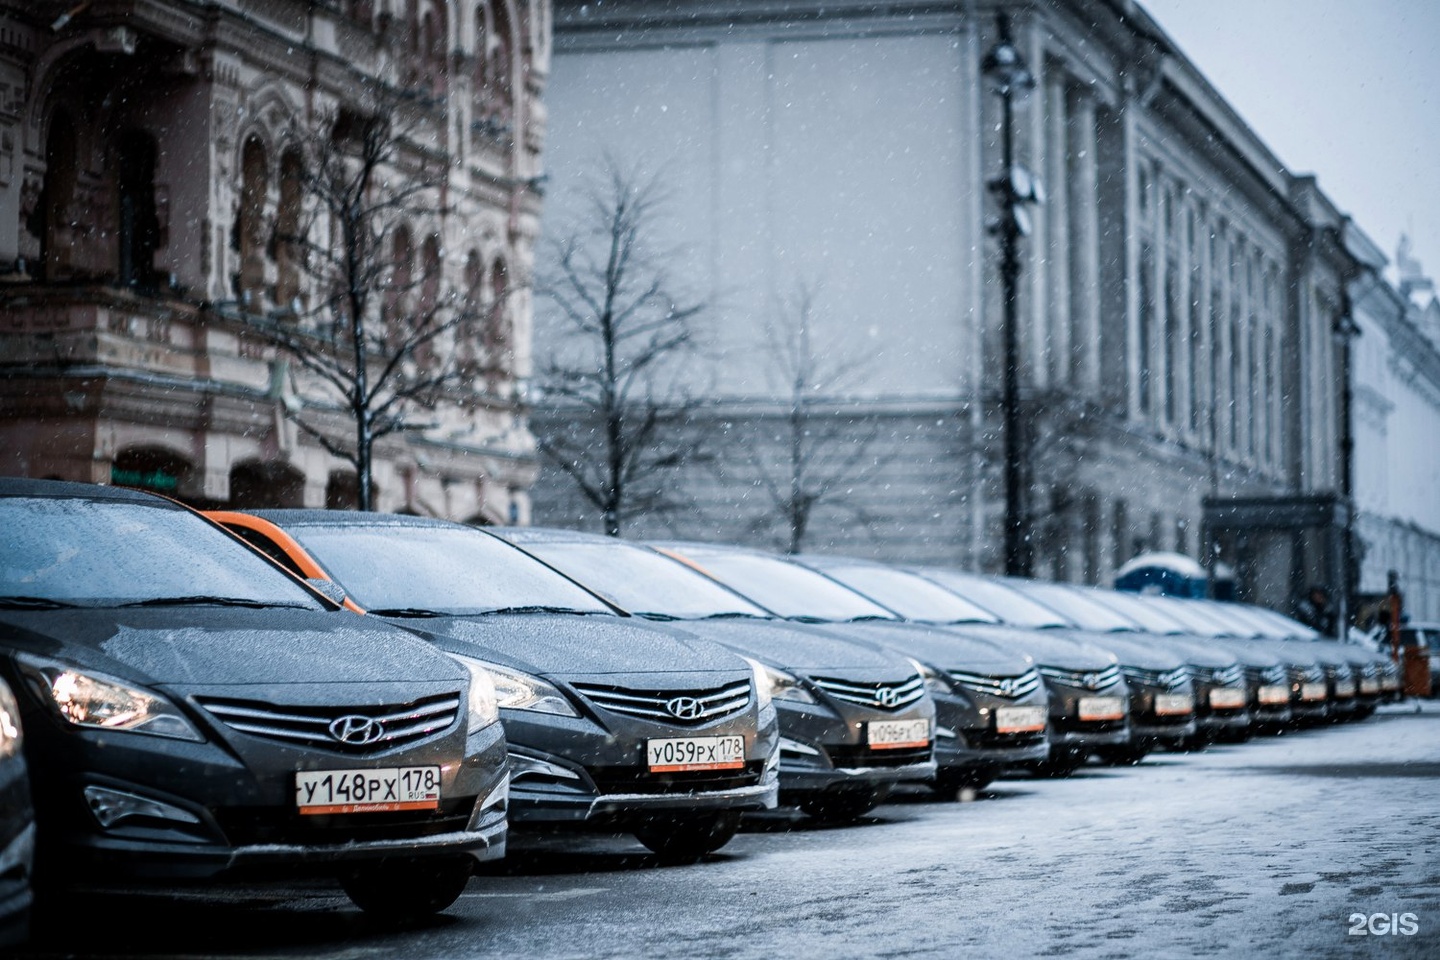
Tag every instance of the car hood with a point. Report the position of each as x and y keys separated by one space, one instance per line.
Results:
x=1051 y=647
x=220 y=646
x=1144 y=651
x=801 y=647
x=570 y=645
x=939 y=646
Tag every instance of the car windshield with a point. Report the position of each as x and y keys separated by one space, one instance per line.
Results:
x=100 y=553
x=911 y=596
x=1012 y=607
x=1195 y=618
x=1079 y=609
x=439 y=569
x=1147 y=615
x=1235 y=619
x=642 y=581
x=786 y=589
x=1277 y=624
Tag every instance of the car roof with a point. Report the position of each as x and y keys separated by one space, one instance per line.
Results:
x=25 y=487
x=349 y=518
x=554 y=535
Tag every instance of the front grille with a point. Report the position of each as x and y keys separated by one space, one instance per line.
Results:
x=399 y=723
x=1269 y=676
x=1164 y=679
x=245 y=826
x=1009 y=688
x=1089 y=679
x=682 y=707
x=1076 y=725
x=877 y=696
x=611 y=780
x=852 y=757
x=1219 y=676
x=1314 y=674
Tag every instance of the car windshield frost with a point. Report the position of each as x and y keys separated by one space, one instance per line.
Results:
x=103 y=553
x=791 y=591
x=1013 y=608
x=643 y=582
x=439 y=569
x=1079 y=610
x=1146 y=615
x=913 y=597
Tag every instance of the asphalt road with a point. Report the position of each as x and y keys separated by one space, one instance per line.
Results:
x=1275 y=848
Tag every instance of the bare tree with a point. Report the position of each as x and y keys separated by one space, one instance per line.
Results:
x=369 y=307
x=824 y=452
x=614 y=381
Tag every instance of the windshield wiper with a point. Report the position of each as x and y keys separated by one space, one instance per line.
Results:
x=809 y=618
x=541 y=608
x=734 y=615
x=34 y=603
x=203 y=600
x=869 y=616
x=652 y=615
x=407 y=612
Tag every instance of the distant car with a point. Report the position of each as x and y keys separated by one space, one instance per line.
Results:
x=17 y=826
x=855 y=718
x=615 y=723
x=192 y=712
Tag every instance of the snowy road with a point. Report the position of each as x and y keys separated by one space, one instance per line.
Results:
x=1266 y=849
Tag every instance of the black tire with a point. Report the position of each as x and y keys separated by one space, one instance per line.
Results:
x=843 y=806
x=406 y=891
x=949 y=782
x=679 y=840
x=1126 y=756
x=1061 y=764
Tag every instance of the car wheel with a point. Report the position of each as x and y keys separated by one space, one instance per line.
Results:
x=1127 y=756
x=950 y=782
x=407 y=891
x=843 y=806
x=677 y=840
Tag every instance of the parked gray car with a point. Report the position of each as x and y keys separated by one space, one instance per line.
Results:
x=855 y=718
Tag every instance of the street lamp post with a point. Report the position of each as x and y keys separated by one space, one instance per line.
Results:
x=1015 y=189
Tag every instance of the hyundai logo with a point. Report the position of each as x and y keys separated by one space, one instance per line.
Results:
x=1007 y=688
x=1091 y=680
x=356 y=729
x=684 y=708
x=887 y=696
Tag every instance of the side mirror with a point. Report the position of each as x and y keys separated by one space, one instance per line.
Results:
x=329 y=588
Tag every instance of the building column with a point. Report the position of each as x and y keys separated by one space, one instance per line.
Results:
x=1083 y=203
x=1056 y=350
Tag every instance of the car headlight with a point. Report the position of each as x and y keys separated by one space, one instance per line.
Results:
x=92 y=701
x=521 y=691
x=763 y=686
x=484 y=705
x=779 y=685
x=935 y=680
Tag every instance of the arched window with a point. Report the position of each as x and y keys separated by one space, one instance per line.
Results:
x=499 y=346
x=257 y=485
x=342 y=490
x=287 y=229
x=427 y=312
x=397 y=298
x=53 y=217
x=250 y=222
x=468 y=333
x=138 y=228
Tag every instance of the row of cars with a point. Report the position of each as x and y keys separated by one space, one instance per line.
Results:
x=382 y=699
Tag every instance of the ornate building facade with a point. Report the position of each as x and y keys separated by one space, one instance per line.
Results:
x=148 y=176
x=1183 y=300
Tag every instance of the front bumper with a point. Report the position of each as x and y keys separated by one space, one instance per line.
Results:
x=823 y=747
x=570 y=770
x=1069 y=733
x=209 y=815
x=967 y=737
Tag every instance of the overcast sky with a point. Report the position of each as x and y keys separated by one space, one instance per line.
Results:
x=1346 y=89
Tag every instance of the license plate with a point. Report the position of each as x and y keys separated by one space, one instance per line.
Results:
x=1273 y=695
x=894 y=734
x=1312 y=691
x=1101 y=708
x=1345 y=688
x=1369 y=685
x=695 y=753
x=1227 y=698
x=1173 y=704
x=1019 y=719
x=380 y=790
